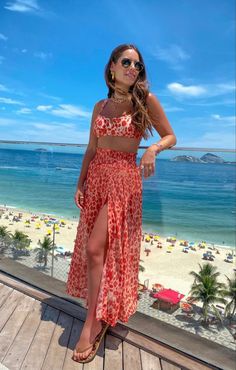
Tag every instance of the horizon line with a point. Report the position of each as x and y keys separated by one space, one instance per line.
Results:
x=140 y=147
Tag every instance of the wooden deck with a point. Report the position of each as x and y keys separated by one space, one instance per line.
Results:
x=39 y=331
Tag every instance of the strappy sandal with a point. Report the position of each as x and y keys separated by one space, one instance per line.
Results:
x=95 y=345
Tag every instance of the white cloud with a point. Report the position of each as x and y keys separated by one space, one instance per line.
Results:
x=224 y=119
x=24 y=111
x=206 y=90
x=20 y=129
x=219 y=139
x=10 y=101
x=24 y=50
x=3 y=88
x=23 y=6
x=49 y=96
x=43 y=108
x=53 y=126
x=172 y=109
x=42 y=55
x=173 y=55
x=5 y=122
x=192 y=90
x=70 y=111
x=3 y=37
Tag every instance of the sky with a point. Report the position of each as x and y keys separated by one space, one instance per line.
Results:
x=53 y=54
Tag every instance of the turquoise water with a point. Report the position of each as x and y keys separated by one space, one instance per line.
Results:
x=189 y=200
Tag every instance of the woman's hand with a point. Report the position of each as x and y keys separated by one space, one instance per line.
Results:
x=147 y=162
x=79 y=196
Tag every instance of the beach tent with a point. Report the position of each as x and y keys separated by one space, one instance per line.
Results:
x=168 y=299
x=169 y=295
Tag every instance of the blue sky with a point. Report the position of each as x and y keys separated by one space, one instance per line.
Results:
x=53 y=54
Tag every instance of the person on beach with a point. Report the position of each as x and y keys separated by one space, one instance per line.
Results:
x=105 y=264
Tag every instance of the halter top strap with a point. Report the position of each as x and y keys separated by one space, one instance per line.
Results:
x=103 y=105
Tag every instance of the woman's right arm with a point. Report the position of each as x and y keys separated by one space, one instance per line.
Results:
x=88 y=156
x=91 y=148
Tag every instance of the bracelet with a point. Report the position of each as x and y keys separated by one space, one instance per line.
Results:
x=160 y=147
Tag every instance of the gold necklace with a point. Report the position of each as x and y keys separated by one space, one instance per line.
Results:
x=119 y=100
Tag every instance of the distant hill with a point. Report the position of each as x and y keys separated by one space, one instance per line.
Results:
x=206 y=158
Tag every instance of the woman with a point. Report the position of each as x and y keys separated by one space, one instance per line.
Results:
x=105 y=264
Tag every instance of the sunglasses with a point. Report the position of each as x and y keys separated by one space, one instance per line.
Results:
x=126 y=63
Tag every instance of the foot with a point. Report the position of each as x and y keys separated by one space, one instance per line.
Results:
x=86 y=339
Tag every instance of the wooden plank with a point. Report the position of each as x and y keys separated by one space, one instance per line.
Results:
x=56 y=352
x=4 y=293
x=149 y=362
x=159 y=349
x=131 y=356
x=198 y=349
x=14 y=324
x=68 y=307
x=155 y=347
x=36 y=354
x=22 y=342
x=113 y=353
x=70 y=364
x=9 y=306
x=168 y=366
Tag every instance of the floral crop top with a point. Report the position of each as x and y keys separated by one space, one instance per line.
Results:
x=115 y=126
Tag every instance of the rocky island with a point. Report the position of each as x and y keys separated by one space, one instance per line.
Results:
x=206 y=158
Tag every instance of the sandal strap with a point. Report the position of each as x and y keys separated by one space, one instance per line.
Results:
x=96 y=340
x=84 y=349
x=102 y=332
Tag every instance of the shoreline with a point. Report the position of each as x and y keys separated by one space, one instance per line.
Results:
x=165 y=265
x=76 y=219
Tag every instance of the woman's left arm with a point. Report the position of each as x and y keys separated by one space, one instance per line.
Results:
x=164 y=129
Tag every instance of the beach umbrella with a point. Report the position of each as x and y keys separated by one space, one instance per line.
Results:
x=147 y=250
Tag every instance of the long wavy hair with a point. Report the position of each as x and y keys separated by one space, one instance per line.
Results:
x=139 y=91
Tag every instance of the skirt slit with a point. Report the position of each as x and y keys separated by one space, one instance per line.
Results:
x=113 y=178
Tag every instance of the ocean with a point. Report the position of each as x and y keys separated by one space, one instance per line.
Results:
x=193 y=201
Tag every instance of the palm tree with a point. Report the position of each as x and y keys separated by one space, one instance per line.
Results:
x=5 y=239
x=45 y=249
x=230 y=293
x=207 y=289
x=141 y=268
x=20 y=241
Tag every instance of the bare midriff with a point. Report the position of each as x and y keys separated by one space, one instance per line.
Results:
x=123 y=144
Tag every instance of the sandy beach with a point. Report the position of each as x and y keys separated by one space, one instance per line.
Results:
x=164 y=266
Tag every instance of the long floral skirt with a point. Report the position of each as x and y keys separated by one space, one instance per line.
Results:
x=113 y=177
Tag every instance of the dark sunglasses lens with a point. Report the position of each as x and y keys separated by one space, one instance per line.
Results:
x=125 y=62
x=138 y=66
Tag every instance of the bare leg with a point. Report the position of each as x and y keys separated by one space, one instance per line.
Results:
x=96 y=253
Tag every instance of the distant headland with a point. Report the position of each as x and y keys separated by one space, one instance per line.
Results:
x=206 y=158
